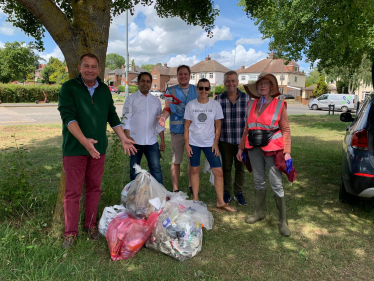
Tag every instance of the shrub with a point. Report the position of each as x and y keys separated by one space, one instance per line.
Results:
x=10 y=93
x=132 y=88
x=219 y=89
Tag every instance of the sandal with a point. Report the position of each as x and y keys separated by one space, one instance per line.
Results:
x=176 y=191
x=226 y=208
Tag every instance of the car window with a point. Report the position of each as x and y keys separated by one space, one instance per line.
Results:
x=324 y=97
x=361 y=118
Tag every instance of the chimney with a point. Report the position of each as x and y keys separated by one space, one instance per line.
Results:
x=272 y=56
x=243 y=67
x=134 y=67
x=207 y=58
x=165 y=64
x=122 y=66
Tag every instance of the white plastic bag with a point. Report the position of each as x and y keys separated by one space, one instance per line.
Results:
x=178 y=231
x=208 y=169
x=144 y=188
x=108 y=215
x=124 y=192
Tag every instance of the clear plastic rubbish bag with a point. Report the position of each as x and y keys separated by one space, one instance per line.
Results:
x=124 y=192
x=126 y=236
x=178 y=230
x=108 y=215
x=144 y=188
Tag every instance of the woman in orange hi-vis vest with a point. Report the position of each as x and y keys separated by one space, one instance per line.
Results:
x=267 y=139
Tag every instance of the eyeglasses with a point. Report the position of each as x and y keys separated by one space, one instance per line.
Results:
x=204 y=88
x=264 y=83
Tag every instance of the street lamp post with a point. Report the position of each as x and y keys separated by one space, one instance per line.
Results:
x=127 y=55
x=234 y=56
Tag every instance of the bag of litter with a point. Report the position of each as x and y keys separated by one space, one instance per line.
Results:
x=144 y=188
x=178 y=230
x=124 y=193
x=108 y=215
x=126 y=236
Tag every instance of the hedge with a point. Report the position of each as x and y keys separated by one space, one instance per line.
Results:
x=11 y=93
x=132 y=88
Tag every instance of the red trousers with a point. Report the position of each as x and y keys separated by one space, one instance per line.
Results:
x=79 y=169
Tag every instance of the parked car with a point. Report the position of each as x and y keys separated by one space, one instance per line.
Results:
x=342 y=102
x=156 y=93
x=357 y=179
x=113 y=89
x=286 y=97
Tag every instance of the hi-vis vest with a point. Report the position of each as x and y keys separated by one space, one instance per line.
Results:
x=177 y=120
x=268 y=120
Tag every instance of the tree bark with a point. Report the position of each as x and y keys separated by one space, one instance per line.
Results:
x=86 y=32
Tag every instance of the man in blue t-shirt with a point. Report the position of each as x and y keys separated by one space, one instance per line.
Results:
x=180 y=95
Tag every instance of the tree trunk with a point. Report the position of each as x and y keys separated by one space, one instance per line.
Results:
x=86 y=32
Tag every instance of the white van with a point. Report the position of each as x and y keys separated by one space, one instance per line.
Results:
x=342 y=102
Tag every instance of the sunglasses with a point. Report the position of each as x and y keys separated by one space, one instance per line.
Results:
x=204 y=88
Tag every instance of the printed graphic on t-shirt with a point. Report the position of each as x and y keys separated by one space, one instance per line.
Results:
x=202 y=117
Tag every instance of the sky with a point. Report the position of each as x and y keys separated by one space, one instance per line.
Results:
x=236 y=41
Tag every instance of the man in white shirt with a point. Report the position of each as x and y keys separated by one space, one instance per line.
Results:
x=140 y=125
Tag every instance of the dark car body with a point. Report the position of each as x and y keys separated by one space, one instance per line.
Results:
x=357 y=179
x=287 y=97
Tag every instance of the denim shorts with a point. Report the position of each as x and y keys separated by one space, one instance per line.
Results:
x=214 y=161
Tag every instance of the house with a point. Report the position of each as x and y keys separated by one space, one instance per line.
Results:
x=38 y=74
x=209 y=69
x=117 y=76
x=290 y=79
x=163 y=76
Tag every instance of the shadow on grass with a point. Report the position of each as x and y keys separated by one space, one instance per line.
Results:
x=319 y=122
x=329 y=241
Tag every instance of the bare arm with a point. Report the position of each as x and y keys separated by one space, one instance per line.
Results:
x=164 y=115
x=217 y=125
x=162 y=145
x=187 y=146
x=127 y=143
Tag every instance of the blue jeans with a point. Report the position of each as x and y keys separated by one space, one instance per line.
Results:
x=213 y=160
x=152 y=153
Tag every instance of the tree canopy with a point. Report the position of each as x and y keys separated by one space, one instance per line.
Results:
x=329 y=33
x=114 y=61
x=149 y=67
x=54 y=71
x=80 y=27
x=16 y=61
x=312 y=78
x=321 y=88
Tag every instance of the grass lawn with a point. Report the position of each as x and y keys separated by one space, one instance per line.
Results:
x=329 y=240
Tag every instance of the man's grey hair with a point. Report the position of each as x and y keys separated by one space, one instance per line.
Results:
x=231 y=72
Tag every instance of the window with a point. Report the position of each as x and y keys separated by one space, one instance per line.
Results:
x=295 y=78
x=193 y=76
x=154 y=86
x=323 y=97
x=202 y=75
x=281 y=78
x=296 y=69
x=154 y=76
x=252 y=77
x=211 y=75
x=242 y=78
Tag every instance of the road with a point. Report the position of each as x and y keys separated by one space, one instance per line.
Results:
x=48 y=114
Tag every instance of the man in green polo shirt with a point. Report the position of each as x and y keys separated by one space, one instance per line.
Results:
x=86 y=106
